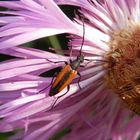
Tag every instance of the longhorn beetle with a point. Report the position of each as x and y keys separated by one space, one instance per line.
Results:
x=67 y=74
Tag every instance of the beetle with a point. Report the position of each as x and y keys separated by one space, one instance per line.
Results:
x=66 y=76
x=68 y=73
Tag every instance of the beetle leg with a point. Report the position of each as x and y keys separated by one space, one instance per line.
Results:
x=79 y=80
x=89 y=61
x=56 y=61
x=70 y=61
x=47 y=86
x=68 y=88
x=96 y=60
x=82 y=65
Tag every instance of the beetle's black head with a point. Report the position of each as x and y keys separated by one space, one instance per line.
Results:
x=81 y=58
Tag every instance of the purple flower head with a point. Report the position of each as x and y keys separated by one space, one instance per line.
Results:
x=103 y=108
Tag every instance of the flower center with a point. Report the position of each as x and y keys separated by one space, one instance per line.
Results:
x=123 y=69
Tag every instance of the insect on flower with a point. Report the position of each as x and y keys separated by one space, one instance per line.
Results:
x=112 y=30
x=67 y=74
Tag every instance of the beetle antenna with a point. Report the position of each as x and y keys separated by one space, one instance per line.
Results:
x=83 y=39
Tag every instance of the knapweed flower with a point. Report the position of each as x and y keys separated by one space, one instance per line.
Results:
x=103 y=108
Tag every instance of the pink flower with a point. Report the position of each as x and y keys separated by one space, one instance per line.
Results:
x=93 y=112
